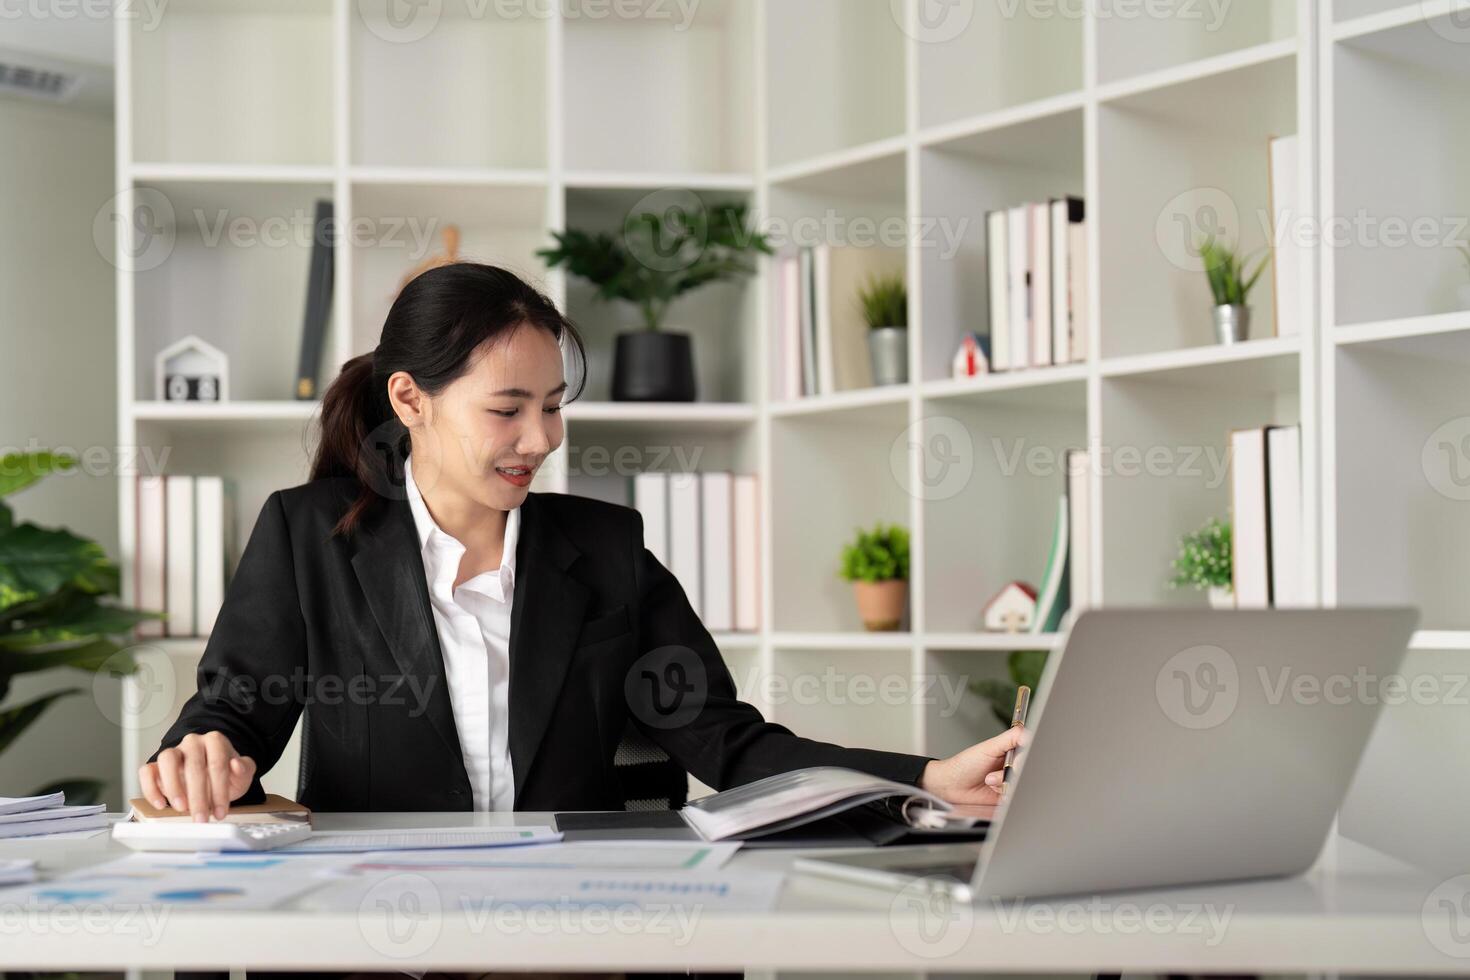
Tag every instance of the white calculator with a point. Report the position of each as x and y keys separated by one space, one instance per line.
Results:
x=213 y=836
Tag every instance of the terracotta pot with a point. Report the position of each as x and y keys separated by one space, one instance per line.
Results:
x=881 y=604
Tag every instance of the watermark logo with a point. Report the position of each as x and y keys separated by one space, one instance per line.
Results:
x=1453 y=26
x=1445 y=459
x=1192 y=218
x=1199 y=687
x=946 y=458
x=147 y=218
x=928 y=922
x=667 y=687
x=400 y=916
x=400 y=21
x=934 y=21
x=149 y=689
x=1446 y=917
x=667 y=230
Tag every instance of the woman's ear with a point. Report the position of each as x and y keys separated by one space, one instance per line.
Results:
x=406 y=399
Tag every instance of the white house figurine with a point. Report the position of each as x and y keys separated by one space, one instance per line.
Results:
x=1012 y=610
x=190 y=370
x=971 y=358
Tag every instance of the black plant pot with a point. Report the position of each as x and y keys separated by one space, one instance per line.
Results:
x=653 y=366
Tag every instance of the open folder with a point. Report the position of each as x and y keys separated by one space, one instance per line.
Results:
x=821 y=806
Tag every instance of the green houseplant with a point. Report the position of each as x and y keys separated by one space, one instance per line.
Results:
x=885 y=303
x=658 y=256
x=1231 y=278
x=876 y=562
x=52 y=609
x=1023 y=668
x=1204 y=563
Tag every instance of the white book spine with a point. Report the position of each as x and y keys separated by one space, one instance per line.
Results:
x=1061 y=281
x=1079 y=521
x=717 y=552
x=1040 y=217
x=684 y=542
x=822 y=290
x=150 y=569
x=209 y=550
x=1288 y=559
x=1018 y=238
x=179 y=552
x=998 y=265
x=791 y=325
x=747 y=553
x=651 y=499
x=1250 y=544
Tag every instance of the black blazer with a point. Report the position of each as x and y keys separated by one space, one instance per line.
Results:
x=601 y=634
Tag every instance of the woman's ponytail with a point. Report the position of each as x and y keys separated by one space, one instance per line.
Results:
x=436 y=325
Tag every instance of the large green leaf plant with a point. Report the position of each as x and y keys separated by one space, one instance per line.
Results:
x=53 y=612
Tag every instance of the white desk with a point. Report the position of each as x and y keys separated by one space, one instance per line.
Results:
x=1371 y=915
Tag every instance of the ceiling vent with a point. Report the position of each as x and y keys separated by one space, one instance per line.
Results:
x=31 y=81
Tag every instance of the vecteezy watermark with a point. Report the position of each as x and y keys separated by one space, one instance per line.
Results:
x=667 y=230
x=87 y=460
x=927 y=921
x=832 y=687
x=1210 y=465
x=1198 y=687
x=407 y=21
x=1099 y=916
x=942 y=453
x=150 y=686
x=667 y=687
x=1212 y=12
x=1445 y=459
x=1190 y=219
x=1453 y=25
x=147 y=13
x=148 y=226
x=61 y=909
x=400 y=916
x=631 y=460
x=1446 y=917
x=932 y=21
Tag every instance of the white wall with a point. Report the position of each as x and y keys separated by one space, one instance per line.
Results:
x=58 y=368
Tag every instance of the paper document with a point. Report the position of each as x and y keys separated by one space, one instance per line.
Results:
x=667 y=899
x=640 y=855
x=218 y=881
x=360 y=841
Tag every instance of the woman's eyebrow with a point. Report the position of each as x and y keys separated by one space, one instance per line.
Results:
x=523 y=393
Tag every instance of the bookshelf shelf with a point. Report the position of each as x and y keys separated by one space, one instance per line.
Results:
x=1148 y=52
x=834 y=120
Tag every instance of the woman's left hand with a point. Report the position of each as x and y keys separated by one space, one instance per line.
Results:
x=974 y=775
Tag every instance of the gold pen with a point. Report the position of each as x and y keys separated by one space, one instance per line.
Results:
x=1018 y=720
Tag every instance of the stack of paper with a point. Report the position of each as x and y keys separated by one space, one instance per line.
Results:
x=17 y=871
x=47 y=816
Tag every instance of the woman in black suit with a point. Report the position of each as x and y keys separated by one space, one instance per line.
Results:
x=331 y=610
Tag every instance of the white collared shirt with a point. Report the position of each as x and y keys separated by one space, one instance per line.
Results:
x=474 y=632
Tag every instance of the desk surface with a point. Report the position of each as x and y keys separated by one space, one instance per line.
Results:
x=1368 y=914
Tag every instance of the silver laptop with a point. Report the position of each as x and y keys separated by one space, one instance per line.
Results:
x=1171 y=747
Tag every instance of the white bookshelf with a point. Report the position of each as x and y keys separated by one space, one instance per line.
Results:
x=817 y=108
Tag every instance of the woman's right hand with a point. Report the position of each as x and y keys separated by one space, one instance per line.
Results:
x=201 y=776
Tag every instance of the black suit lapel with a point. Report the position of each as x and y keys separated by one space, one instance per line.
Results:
x=390 y=570
x=549 y=607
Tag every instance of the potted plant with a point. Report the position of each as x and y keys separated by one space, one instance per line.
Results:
x=52 y=584
x=659 y=257
x=885 y=303
x=877 y=565
x=1023 y=667
x=1204 y=563
x=1231 y=281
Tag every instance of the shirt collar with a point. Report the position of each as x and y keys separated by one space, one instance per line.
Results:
x=430 y=533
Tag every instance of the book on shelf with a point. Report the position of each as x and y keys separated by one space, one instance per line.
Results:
x=821 y=336
x=1053 y=600
x=318 y=303
x=1287 y=260
x=1036 y=281
x=185 y=535
x=705 y=529
x=1267 y=554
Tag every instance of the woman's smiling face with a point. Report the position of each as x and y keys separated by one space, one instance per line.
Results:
x=484 y=436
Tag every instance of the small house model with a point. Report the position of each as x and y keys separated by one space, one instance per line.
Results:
x=190 y=370
x=972 y=357
x=1012 y=610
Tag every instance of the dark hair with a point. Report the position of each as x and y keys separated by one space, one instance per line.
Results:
x=437 y=323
